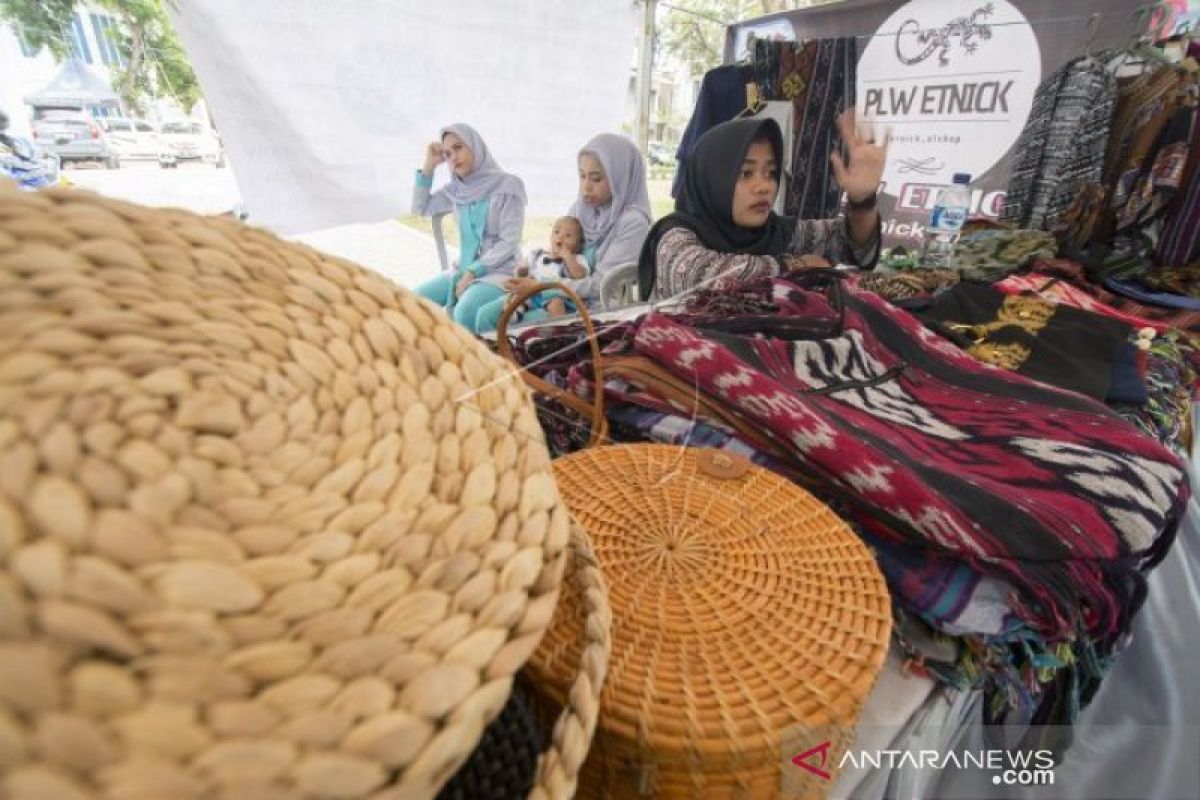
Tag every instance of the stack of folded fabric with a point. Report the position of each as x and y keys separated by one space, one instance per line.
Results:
x=1014 y=521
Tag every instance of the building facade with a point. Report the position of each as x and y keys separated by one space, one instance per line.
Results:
x=25 y=70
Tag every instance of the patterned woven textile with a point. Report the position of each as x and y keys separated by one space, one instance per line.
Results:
x=1179 y=242
x=1040 y=487
x=1074 y=273
x=1178 y=280
x=1044 y=341
x=1062 y=145
x=989 y=255
x=1053 y=290
x=907 y=284
x=1166 y=414
x=813 y=193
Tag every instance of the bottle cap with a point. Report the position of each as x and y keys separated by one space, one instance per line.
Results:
x=962 y=177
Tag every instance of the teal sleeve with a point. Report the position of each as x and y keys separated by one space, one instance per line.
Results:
x=424 y=180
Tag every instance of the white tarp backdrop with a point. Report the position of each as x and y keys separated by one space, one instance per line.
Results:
x=325 y=108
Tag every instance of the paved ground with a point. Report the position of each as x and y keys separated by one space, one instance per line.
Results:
x=404 y=255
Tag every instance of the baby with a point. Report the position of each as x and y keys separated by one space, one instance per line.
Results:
x=549 y=265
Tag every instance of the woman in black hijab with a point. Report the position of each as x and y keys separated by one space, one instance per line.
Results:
x=723 y=230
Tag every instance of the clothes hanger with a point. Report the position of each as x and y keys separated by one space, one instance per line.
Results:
x=1093 y=27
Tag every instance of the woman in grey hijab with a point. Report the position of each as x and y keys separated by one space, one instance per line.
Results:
x=489 y=205
x=613 y=207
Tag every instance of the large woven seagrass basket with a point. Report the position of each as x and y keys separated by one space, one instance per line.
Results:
x=749 y=621
x=269 y=526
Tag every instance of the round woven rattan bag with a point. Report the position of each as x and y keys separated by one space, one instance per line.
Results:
x=270 y=526
x=749 y=624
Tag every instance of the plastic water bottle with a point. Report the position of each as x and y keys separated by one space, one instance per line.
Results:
x=946 y=223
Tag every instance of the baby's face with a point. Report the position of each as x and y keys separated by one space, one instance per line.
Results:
x=566 y=233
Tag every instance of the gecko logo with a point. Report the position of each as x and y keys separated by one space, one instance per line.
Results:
x=802 y=760
x=914 y=44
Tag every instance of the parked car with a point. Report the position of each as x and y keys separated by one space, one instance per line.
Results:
x=74 y=136
x=660 y=154
x=190 y=141
x=133 y=139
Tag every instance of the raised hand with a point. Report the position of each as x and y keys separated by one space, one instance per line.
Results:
x=861 y=169
x=434 y=155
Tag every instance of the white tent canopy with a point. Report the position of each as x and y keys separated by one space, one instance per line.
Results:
x=75 y=85
x=325 y=108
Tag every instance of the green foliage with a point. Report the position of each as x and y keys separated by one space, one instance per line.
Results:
x=155 y=62
x=42 y=23
x=697 y=39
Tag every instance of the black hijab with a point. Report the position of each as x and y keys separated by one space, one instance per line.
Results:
x=705 y=202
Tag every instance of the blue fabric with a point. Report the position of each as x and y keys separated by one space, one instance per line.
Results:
x=541 y=299
x=438 y=290
x=487 y=316
x=478 y=310
x=424 y=180
x=1127 y=385
x=589 y=254
x=1141 y=294
x=722 y=97
x=472 y=223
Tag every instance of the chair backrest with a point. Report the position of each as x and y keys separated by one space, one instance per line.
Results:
x=619 y=287
x=439 y=238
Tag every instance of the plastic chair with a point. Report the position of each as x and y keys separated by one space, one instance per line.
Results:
x=439 y=238
x=619 y=287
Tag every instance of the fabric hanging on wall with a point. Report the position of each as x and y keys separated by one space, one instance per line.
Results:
x=1179 y=242
x=1062 y=145
x=722 y=97
x=828 y=89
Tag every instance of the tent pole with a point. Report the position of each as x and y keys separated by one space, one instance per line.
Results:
x=645 y=74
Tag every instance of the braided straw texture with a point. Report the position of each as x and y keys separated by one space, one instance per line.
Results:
x=586 y=614
x=269 y=526
x=749 y=625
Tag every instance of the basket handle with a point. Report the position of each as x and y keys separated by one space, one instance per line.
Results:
x=558 y=768
x=593 y=411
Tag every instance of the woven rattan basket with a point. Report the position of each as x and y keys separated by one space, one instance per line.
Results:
x=270 y=526
x=749 y=625
x=750 y=622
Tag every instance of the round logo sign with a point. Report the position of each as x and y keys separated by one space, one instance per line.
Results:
x=953 y=83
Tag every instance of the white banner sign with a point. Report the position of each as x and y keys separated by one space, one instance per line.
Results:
x=953 y=89
x=326 y=108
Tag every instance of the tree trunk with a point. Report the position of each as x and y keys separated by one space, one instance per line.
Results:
x=128 y=80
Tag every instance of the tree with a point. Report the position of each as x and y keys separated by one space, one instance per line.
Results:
x=155 y=62
x=42 y=23
x=693 y=31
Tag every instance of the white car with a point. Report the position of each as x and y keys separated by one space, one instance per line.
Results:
x=133 y=139
x=190 y=141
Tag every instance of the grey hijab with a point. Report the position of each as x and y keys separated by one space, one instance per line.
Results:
x=626 y=172
x=486 y=177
